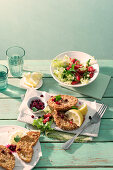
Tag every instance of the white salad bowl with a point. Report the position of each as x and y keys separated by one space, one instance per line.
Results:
x=83 y=58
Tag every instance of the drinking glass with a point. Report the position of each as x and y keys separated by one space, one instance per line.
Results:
x=3 y=77
x=15 y=60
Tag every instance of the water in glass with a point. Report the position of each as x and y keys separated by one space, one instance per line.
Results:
x=16 y=65
x=3 y=77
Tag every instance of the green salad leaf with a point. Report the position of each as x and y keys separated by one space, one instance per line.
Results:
x=17 y=138
x=88 y=62
x=41 y=126
x=72 y=68
x=85 y=75
x=67 y=72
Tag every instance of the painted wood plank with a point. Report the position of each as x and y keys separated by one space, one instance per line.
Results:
x=9 y=107
x=105 y=133
x=49 y=85
x=106 y=66
x=11 y=122
x=80 y=168
x=80 y=154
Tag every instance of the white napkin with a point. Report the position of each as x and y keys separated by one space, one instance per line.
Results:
x=25 y=114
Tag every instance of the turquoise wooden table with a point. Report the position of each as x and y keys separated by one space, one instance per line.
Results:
x=90 y=155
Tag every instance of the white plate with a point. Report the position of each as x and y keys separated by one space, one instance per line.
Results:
x=82 y=57
x=27 y=87
x=5 y=132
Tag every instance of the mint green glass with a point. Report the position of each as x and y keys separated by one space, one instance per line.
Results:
x=15 y=60
x=3 y=77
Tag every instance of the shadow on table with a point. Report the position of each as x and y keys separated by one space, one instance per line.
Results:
x=13 y=91
x=106 y=70
x=47 y=150
x=74 y=147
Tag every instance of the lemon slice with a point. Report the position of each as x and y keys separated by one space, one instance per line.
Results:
x=28 y=84
x=27 y=75
x=76 y=115
x=32 y=79
x=36 y=76
x=31 y=82
x=83 y=108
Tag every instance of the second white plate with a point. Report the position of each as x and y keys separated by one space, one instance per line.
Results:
x=5 y=132
x=27 y=87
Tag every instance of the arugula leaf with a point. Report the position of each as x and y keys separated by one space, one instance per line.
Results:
x=74 y=107
x=67 y=72
x=85 y=75
x=72 y=68
x=34 y=109
x=17 y=138
x=88 y=62
x=58 y=98
x=41 y=126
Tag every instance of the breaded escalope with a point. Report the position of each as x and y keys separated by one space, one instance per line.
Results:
x=65 y=103
x=24 y=147
x=62 y=121
x=7 y=159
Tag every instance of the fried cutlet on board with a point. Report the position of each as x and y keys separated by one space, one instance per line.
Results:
x=64 y=104
x=62 y=121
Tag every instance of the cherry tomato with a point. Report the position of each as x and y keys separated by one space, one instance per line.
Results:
x=76 y=67
x=67 y=68
x=91 y=75
x=73 y=60
x=46 y=120
x=77 y=62
x=70 y=65
x=74 y=82
x=47 y=115
x=90 y=69
x=78 y=77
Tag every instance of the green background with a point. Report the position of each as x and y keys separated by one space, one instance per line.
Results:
x=45 y=28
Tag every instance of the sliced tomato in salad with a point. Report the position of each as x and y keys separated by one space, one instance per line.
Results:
x=74 y=82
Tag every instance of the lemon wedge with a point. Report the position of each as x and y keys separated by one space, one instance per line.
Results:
x=83 y=108
x=76 y=115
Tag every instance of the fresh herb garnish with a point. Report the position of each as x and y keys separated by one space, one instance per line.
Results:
x=74 y=107
x=72 y=68
x=88 y=62
x=17 y=138
x=67 y=72
x=85 y=75
x=34 y=109
x=41 y=126
x=58 y=97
